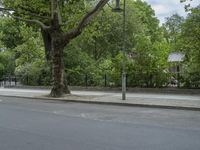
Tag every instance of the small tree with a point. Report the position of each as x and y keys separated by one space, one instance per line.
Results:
x=55 y=39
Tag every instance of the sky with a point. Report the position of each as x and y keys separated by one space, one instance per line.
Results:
x=166 y=8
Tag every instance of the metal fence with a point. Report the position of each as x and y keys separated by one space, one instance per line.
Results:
x=9 y=81
x=104 y=80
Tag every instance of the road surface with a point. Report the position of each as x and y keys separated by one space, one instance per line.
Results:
x=28 y=124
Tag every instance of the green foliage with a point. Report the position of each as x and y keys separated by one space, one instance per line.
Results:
x=36 y=73
x=31 y=66
x=7 y=63
x=10 y=35
x=190 y=45
x=172 y=28
x=98 y=51
x=31 y=49
x=183 y=35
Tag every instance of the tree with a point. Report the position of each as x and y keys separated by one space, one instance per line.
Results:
x=187 y=5
x=143 y=37
x=10 y=32
x=7 y=64
x=31 y=66
x=172 y=28
x=190 y=44
x=55 y=38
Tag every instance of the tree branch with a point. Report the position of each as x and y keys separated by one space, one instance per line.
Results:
x=42 y=25
x=34 y=13
x=85 y=21
x=24 y=13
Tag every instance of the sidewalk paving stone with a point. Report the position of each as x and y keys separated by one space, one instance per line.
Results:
x=174 y=101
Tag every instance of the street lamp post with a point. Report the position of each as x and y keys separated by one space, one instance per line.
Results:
x=118 y=9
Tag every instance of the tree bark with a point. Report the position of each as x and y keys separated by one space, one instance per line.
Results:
x=46 y=36
x=57 y=69
x=60 y=86
x=57 y=48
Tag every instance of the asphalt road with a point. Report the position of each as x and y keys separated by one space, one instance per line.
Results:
x=27 y=124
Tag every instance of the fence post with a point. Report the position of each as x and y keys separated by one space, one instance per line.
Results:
x=86 y=80
x=178 y=76
x=4 y=81
x=105 y=80
x=39 y=80
x=27 y=79
x=15 y=80
x=126 y=80
x=68 y=79
x=9 y=79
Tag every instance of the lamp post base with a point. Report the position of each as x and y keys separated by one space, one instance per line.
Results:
x=123 y=86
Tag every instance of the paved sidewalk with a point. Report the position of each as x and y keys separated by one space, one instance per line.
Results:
x=175 y=101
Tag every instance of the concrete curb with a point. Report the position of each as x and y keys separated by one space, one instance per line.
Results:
x=110 y=103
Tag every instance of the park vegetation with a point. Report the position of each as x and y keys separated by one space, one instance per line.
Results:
x=93 y=56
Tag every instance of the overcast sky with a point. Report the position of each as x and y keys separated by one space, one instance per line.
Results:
x=165 y=8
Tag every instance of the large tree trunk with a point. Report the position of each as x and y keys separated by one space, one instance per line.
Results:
x=59 y=40
x=60 y=86
x=57 y=47
x=47 y=43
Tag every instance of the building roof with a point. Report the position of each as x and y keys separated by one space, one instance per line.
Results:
x=176 y=57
